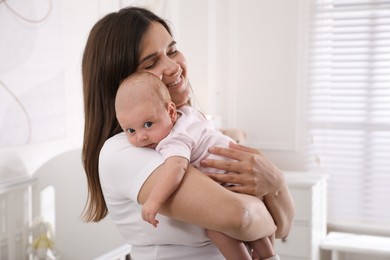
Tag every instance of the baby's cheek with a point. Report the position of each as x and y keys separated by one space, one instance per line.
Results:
x=131 y=140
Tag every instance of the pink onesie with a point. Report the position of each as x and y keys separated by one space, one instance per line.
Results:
x=191 y=137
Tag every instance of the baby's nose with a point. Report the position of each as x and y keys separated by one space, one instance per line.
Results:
x=142 y=137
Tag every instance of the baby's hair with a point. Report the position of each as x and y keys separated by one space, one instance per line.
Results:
x=146 y=85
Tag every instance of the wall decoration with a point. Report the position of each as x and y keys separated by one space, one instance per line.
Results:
x=32 y=94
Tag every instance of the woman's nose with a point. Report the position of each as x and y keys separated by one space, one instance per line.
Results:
x=171 y=67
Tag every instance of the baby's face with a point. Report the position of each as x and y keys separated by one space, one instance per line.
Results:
x=146 y=124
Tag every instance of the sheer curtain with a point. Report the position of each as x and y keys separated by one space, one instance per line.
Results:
x=349 y=109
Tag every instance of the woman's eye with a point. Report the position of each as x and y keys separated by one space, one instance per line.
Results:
x=148 y=124
x=149 y=66
x=172 y=53
x=130 y=130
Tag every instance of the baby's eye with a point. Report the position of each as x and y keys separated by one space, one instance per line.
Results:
x=148 y=124
x=130 y=130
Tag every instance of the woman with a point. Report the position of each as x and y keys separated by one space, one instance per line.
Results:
x=120 y=176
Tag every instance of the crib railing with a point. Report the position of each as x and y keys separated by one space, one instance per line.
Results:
x=15 y=217
x=119 y=253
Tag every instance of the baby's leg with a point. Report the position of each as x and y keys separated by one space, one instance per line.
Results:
x=263 y=248
x=232 y=249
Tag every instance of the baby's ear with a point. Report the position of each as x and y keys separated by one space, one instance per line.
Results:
x=172 y=112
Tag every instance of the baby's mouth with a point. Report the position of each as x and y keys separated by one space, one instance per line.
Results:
x=152 y=146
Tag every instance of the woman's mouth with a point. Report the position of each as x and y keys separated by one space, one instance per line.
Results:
x=176 y=83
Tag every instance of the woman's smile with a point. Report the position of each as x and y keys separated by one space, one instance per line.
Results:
x=177 y=83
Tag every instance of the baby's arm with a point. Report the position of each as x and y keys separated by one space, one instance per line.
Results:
x=173 y=171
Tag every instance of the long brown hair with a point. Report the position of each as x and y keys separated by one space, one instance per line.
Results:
x=111 y=54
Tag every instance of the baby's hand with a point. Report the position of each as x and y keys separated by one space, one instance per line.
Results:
x=149 y=212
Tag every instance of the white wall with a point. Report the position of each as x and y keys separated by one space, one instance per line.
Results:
x=78 y=17
x=247 y=63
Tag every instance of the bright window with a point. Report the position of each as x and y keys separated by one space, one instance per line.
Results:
x=349 y=115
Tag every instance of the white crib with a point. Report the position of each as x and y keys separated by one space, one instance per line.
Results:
x=15 y=216
x=24 y=199
x=119 y=253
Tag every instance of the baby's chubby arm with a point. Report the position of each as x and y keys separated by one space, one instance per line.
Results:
x=173 y=171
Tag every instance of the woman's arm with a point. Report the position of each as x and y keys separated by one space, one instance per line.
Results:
x=201 y=201
x=281 y=207
x=256 y=175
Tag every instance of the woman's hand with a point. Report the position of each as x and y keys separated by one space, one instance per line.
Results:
x=252 y=172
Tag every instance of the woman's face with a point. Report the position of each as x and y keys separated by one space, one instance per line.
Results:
x=159 y=55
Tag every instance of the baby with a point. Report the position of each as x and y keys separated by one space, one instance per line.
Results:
x=182 y=135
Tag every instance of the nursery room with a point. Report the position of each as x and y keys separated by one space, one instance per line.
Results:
x=300 y=87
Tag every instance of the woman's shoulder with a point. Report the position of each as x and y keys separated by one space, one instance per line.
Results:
x=118 y=149
x=123 y=167
x=115 y=143
x=118 y=144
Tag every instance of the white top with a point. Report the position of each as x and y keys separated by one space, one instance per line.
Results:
x=123 y=168
x=191 y=137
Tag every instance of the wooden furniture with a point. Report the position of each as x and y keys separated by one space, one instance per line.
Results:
x=309 y=193
x=353 y=243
